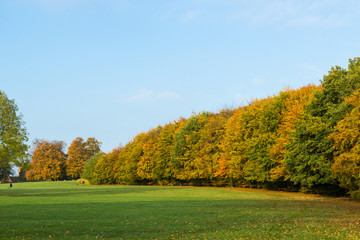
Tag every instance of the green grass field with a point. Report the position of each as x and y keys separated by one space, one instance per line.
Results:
x=65 y=210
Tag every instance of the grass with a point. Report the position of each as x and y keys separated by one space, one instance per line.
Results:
x=65 y=210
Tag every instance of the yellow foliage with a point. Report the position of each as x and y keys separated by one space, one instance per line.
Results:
x=83 y=181
x=47 y=162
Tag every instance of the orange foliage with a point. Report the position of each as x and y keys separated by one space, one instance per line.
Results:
x=78 y=153
x=77 y=156
x=294 y=107
x=346 y=166
x=47 y=162
x=146 y=164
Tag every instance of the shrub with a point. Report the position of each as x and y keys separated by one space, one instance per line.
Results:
x=81 y=181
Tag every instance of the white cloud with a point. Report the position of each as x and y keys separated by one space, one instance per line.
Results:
x=145 y=95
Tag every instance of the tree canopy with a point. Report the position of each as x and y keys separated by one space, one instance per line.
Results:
x=13 y=136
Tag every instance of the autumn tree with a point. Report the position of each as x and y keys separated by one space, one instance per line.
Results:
x=209 y=148
x=13 y=136
x=231 y=162
x=48 y=161
x=92 y=146
x=184 y=151
x=311 y=152
x=126 y=167
x=295 y=102
x=104 y=171
x=78 y=153
x=163 y=170
x=255 y=137
x=346 y=165
x=146 y=165
x=249 y=136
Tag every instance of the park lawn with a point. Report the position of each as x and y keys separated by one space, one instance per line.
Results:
x=65 y=210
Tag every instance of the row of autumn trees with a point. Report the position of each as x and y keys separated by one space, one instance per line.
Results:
x=49 y=161
x=306 y=139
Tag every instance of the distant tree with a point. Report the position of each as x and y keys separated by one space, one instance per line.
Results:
x=13 y=136
x=89 y=167
x=147 y=163
x=209 y=148
x=77 y=156
x=185 y=156
x=104 y=172
x=230 y=164
x=22 y=170
x=126 y=165
x=48 y=161
x=78 y=153
x=92 y=146
x=163 y=169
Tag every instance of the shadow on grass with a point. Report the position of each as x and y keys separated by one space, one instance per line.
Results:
x=79 y=190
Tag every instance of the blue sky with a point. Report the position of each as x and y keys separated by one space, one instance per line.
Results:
x=110 y=69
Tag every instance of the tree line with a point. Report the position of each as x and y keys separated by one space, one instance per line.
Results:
x=305 y=139
x=49 y=161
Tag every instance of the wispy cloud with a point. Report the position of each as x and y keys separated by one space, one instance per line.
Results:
x=293 y=13
x=189 y=16
x=316 y=21
x=146 y=95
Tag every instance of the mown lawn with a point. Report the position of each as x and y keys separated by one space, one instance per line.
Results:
x=65 y=210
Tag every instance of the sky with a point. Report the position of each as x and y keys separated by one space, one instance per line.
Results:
x=111 y=69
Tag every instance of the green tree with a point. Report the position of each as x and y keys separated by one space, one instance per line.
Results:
x=295 y=104
x=92 y=146
x=163 y=169
x=311 y=152
x=185 y=151
x=13 y=136
x=104 y=172
x=209 y=148
x=89 y=167
x=346 y=166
